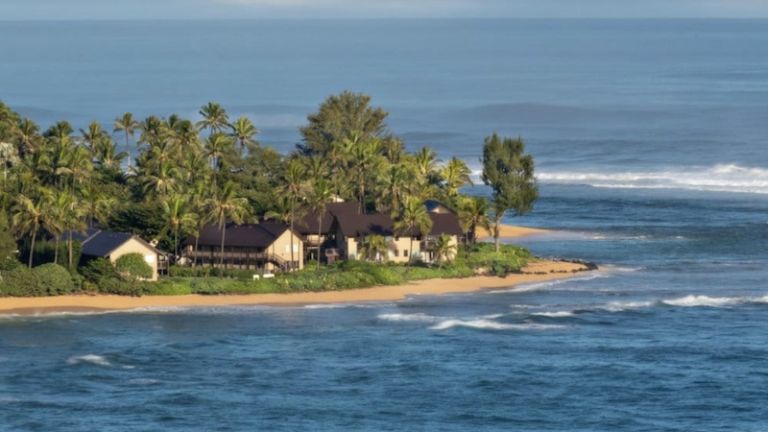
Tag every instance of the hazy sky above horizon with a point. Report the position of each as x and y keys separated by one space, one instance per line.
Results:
x=224 y=9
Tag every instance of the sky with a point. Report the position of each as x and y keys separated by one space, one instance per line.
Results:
x=301 y=9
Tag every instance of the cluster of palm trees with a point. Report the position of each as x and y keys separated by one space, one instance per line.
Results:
x=186 y=175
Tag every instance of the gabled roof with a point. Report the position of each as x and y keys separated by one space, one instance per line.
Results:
x=259 y=235
x=445 y=223
x=434 y=206
x=103 y=243
x=308 y=224
x=357 y=225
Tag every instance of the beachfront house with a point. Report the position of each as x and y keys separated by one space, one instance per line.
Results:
x=267 y=246
x=320 y=240
x=352 y=228
x=96 y=243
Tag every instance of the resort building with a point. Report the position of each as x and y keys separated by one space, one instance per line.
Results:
x=267 y=246
x=352 y=228
x=323 y=238
x=112 y=245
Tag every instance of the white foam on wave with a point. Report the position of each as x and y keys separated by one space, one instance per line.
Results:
x=484 y=324
x=706 y=301
x=537 y=286
x=414 y=317
x=555 y=314
x=90 y=359
x=717 y=178
x=619 y=306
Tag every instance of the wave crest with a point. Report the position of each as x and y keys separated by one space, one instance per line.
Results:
x=90 y=359
x=717 y=178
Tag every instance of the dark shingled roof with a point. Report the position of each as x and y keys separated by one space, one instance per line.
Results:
x=246 y=235
x=356 y=225
x=102 y=243
x=307 y=224
x=445 y=223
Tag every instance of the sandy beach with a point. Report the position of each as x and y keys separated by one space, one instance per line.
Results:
x=511 y=231
x=535 y=272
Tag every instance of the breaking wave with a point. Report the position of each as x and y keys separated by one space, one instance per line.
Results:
x=717 y=178
x=89 y=359
x=555 y=314
x=484 y=324
x=415 y=317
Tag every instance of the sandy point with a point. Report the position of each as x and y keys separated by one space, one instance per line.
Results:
x=538 y=271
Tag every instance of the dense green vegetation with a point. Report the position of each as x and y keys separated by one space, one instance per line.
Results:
x=187 y=174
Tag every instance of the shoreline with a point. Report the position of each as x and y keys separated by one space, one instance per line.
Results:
x=539 y=271
x=512 y=231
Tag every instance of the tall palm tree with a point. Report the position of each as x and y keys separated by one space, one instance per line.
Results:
x=364 y=162
x=319 y=196
x=243 y=132
x=162 y=180
x=294 y=185
x=178 y=216
x=455 y=175
x=53 y=219
x=215 y=118
x=27 y=217
x=227 y=206
x=29 y=136
x=473 y=214
x=94 y=134
x=412 y=219
x=128 y=126
x=97 y=206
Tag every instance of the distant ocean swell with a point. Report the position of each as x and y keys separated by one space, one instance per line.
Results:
x=718 y=178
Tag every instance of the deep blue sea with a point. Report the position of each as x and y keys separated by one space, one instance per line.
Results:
x=651 y=142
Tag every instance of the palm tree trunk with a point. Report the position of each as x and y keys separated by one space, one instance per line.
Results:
x=496 y=233
x=69 y=247
x=319 y=243
x=32 y=247
x=291 y=216
x=410 y=251
x=56 y=251
x=223 y=233
x=197 y=242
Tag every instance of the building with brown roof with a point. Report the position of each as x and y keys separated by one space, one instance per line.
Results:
x=266 y=246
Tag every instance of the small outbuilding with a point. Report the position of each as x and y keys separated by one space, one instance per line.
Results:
x=113 y=245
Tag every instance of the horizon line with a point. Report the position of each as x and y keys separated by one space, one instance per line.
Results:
x=394 y=18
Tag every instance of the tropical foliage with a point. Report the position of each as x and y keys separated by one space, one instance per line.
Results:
x=164 y=178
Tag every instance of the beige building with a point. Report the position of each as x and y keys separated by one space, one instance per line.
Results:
x=113 y=245
x=351 y=229
x=267 y=246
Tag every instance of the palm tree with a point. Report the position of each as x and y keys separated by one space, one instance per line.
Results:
x=93 y=135
x=178 y=217
x=364 y=162
x=443 y=249
x=163 y=180
x=53 y=219
x=294 y=184
x=455 y=175
x=473 y=214
x=412 y=219
x=243 y=132
x=319 y=196
x=226 y=206
x=215 y=118
x=97 y=206
x=375 y=248
x=127 y=125
x=216 y=146
x=27 y=217
x=29 y=136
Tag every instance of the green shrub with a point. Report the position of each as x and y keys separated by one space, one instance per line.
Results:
x=132 y=266
x=96 y=269
x=54 y=279
x=20 y=282
x=110 y=285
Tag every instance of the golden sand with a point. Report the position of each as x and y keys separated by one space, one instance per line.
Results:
x=511 y=231
x=535 y=272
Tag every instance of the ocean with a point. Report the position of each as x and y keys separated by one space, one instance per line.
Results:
x=651 y=143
